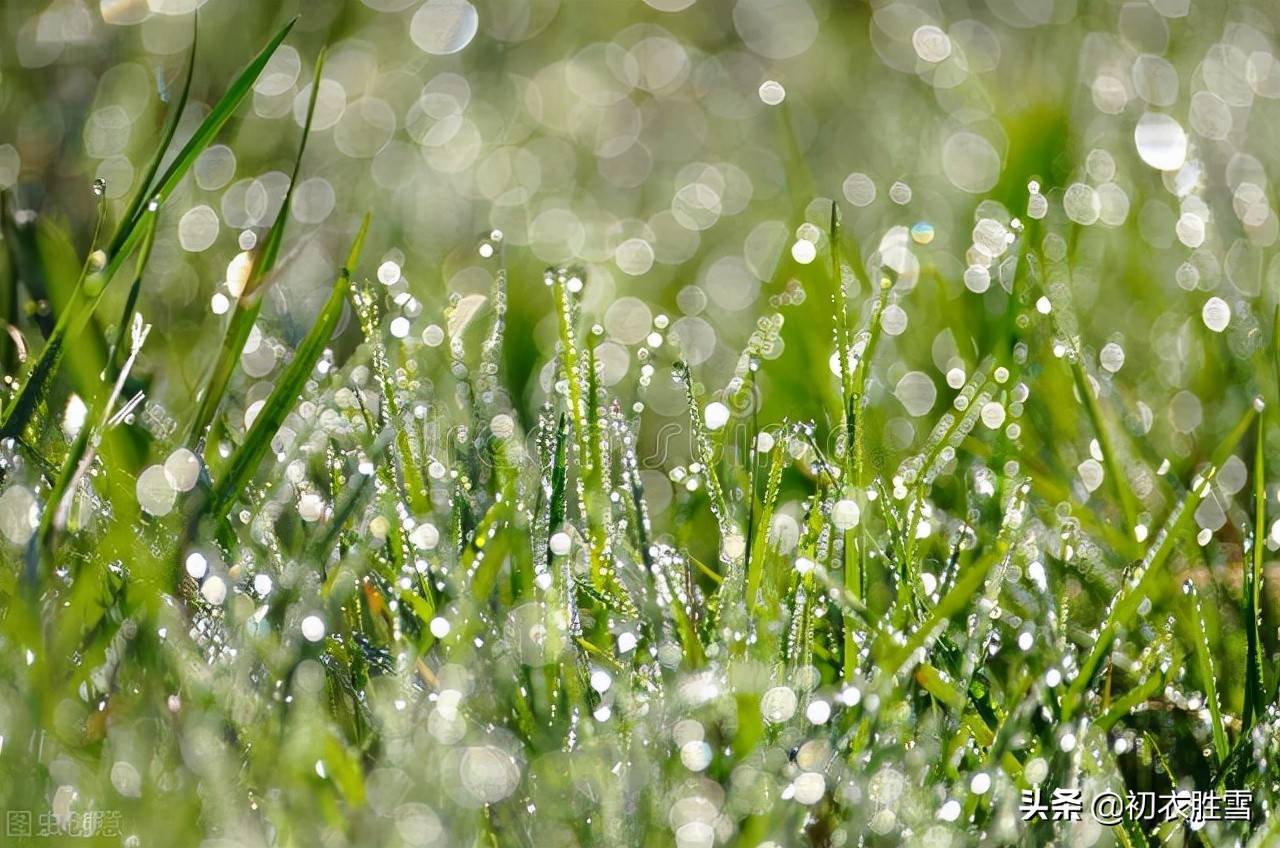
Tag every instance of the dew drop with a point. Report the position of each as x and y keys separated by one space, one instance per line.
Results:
x=716 y=415
x=1216 y=314
x=772 y=93
x=778 y=704
x=313 y=628
x=1161 y=141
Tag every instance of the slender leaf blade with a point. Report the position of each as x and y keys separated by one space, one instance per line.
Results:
x=282 y=398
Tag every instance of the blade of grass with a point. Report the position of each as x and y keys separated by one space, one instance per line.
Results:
x=760 y=544
x=246 y=458
x=249 y=304
x=1208 y=673
x=591 y=494
x=205 y=133
x=1152 y=680
x=1255 y=696
x=1125 y=606
x=132 y=214
x=144 y=254
x=844 y=341
x=965 y=588
x=353 y=495
x=92 y=284
x=1119 y=483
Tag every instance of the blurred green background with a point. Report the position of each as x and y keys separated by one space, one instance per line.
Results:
x=685 y=154
x=675 y=149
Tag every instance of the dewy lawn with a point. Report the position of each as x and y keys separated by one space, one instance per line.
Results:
x=692 y=422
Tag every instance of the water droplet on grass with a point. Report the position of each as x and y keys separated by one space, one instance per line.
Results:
x=695 y=755
x=917 y=393
x=804 y=252
x=931 y=43
x=198 y=229
x=313 y=628
x=716 y=415
x=977 y=279
x=894 y=320
x=810 y=787
x=859 y=189
x=993 y=414
x=1112 y=357
x=388 y=273
x=182 y=469
x=1081 y=204
x=845 y=514
x=970 y=162
x=214 y=590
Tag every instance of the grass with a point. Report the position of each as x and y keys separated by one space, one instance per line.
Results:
x=398 y=605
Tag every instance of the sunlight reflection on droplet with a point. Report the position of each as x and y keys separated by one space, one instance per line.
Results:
x=1216 y=314
x=442 y=27
x=198 y=229
x=1161 y=141
x=859 y=189
x=19 y=514
x=772 y=92
x=970 y=162
x=155 y=494
x=182 y=469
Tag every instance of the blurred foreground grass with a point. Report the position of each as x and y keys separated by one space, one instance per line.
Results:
x=764 y=423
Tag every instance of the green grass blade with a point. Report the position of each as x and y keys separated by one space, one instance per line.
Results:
x=760 y=543
x=282 y=398
x=1152 y=680
x=250 y=301
x=136 y=205
x=144 y=254
x=844 y=340
x=961 y=594
x=1208 y=673
x=1119 y=483
x=582 y=400
x=1125 y=607
x=89 y=290
x=204 y=135
x=354 y=494
x=1251 y=598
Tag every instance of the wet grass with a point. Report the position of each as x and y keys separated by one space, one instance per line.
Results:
x=385 y=610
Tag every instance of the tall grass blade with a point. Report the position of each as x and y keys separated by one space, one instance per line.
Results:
x=1114 y=472
x=844 y=340
x=204 y=134
x=760 y=543
x=137 y=203
x=1136 y=585
x=1255 y=695
x=1207 y=672
x=89 y=290
x=249 y=303
x=247 y=456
